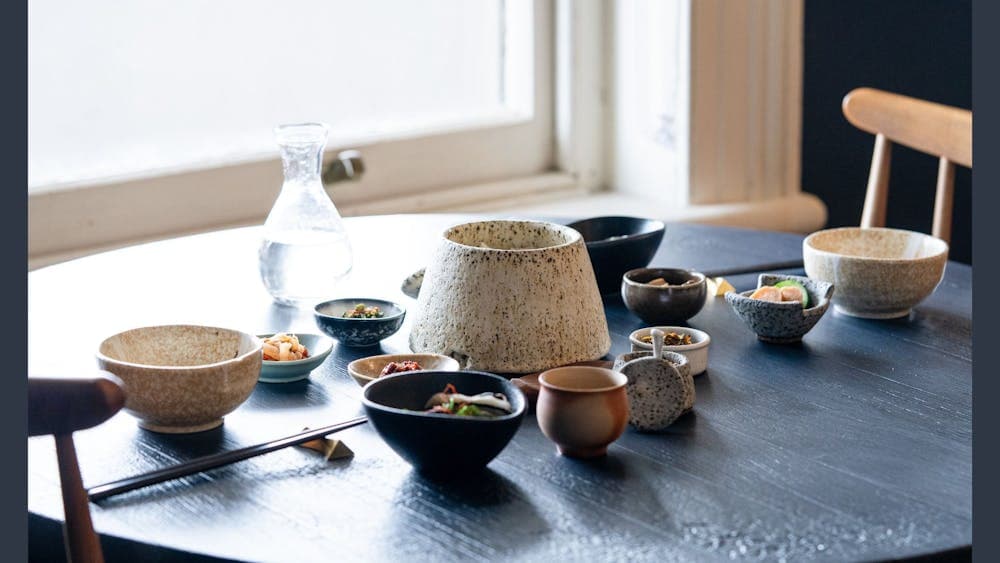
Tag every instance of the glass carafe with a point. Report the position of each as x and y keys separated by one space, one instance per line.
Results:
x=305 y=250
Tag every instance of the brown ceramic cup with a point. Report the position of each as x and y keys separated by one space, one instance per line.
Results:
x=582 y=409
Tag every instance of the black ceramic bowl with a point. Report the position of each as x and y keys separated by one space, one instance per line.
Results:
x=617 y=245
x=440 y=444
x=330 y=319
x=677 y=301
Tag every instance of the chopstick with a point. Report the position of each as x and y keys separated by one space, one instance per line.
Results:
x=205 y=463
x=786 y=265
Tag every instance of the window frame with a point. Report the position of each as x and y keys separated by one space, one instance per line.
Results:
x=437 y=168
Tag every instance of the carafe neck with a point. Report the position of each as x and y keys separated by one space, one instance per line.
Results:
x=302 y=151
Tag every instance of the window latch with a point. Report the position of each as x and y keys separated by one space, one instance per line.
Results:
x=348 y=166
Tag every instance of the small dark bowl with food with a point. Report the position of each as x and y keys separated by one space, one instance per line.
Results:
x=664 y=295
x=617 y=245
x=359 y=321
x=783 y=308
x=444 y=423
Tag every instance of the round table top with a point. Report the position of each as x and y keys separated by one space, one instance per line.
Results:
x=855 y=444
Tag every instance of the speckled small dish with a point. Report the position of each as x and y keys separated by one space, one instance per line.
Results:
x=880 y=273
x=786 y=322
x=288 y=371
x=365 y=370
x=674 y=302
x=696 y=352
x=182 y=378
x=329 y=317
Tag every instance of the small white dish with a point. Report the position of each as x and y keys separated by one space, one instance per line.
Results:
x=366 y=370
x=319 y=348
x=696 y=352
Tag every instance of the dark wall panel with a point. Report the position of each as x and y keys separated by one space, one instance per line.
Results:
x=918 y=48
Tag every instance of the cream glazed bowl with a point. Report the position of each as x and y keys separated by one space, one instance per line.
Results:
x=182 y=378
x=511 y=297
x=879 y=273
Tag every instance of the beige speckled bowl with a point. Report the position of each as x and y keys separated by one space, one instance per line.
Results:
x=879 y=273
x=366 y=370
x=182 y=378
x=511 y=297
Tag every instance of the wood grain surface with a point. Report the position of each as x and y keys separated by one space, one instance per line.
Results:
x=854 y=445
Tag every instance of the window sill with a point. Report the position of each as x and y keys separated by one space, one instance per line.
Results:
x=800 y=213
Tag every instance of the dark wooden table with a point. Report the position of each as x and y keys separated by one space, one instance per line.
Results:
x=856 y=444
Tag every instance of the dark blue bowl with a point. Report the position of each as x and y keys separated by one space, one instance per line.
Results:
x=440 y=444
x=617 y=245
x=330 y=319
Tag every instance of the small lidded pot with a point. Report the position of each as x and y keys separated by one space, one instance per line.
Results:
x=582 y=409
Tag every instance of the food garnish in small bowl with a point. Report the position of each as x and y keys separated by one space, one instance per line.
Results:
x=775 y=318
x=291 y=357
x=282 y=347
x=364 y=370
x=362 y=311
x=450 y=401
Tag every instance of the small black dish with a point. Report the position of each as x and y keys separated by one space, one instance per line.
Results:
x=329 y=317
x=675 y=302
x=617 y=245
x=440 y=444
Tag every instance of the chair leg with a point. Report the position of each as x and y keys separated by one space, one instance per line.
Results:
x=877 y=195
x=81 y=539
x=944 y=200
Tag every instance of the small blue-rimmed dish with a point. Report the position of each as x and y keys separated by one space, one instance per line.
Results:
x=330 y=319
x=288 y=371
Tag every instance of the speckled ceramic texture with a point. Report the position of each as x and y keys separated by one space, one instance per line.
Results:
x=329 y=317
x=364 y=370
x=786 y=322
x=582 y=409
x=511 y=297
x=658 y=394
x=679 y=361
x=675 y=302
x=289 y=371
x=182 y=378
x=411 y=285
x=879 y=273
x=696 y=352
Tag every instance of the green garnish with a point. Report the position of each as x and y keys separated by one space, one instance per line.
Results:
x=469 y=410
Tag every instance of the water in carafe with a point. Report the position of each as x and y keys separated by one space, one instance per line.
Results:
x=305 y=251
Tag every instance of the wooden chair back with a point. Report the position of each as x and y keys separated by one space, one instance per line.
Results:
x=940 y=130
x=60 y=407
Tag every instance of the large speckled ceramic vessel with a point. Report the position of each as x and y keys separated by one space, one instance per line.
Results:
x=879 y=273
x=511 y=297
x=182 y=378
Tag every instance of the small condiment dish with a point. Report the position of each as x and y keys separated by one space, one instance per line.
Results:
x=675 y=301
x=329 y=316
x=364 y=370
x=440 y=444
x=696 y=352
x=182 y=378
x=617 y=245
x=582 y=409
x=782 y=322
x=287 y=371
